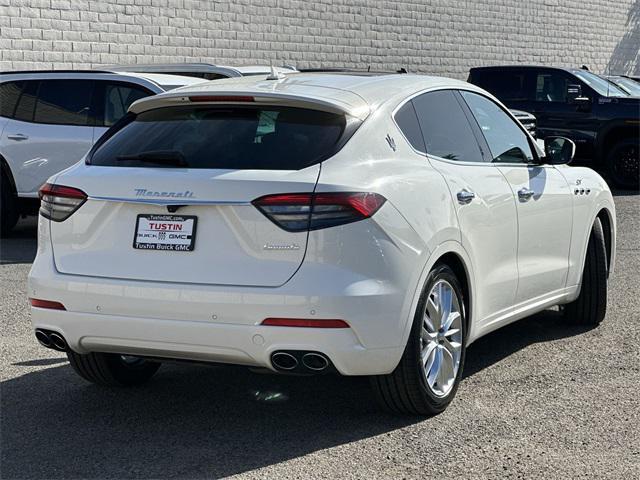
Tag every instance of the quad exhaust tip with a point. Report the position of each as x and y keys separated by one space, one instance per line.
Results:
x=51 y=340
x=300 y=361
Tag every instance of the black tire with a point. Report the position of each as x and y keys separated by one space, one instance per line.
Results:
x=109 y=369
x=623 y=164
x=8 y=206
x=405 y=390
x=590 y=307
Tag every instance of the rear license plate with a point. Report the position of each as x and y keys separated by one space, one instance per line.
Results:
x=165 y=232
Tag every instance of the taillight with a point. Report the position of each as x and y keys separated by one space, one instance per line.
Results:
x=296 y=212
x=58 y=202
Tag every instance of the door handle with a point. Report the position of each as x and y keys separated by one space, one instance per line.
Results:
x=18 y=137
x=525 y=194
x=465 y=197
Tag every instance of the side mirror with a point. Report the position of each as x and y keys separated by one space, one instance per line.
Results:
x=558 y=150
x=575 y=97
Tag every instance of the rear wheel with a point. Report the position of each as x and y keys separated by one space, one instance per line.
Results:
x=111 y=369
x=591 y=305
x=8 y=206
x=623 y=163
x=427 y=377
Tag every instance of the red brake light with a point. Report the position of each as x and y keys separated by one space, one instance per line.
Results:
x=58 y=202
x=36 y=302
x=297 y=212
x=304 y=322
x=221 y=98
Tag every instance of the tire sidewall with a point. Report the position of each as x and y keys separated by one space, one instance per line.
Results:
x=8 y=206
x=440 y=272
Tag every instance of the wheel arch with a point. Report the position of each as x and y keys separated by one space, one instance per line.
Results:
x=612 y=134
x=6 y=170
x=453 y=254
x=606 y=219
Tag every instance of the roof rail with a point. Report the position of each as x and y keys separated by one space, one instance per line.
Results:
x=14 y=72
x=352 y=70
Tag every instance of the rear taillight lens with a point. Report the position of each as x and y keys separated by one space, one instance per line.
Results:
x=297 y=212
x=58 y=202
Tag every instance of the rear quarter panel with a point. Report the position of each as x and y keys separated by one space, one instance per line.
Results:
x=424 y=218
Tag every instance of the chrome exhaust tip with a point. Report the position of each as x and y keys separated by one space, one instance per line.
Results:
x=58 y=342
x=315 y=361
x=43 y=338
x=284 y=361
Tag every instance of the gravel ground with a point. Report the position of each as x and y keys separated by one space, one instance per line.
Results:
x=539 y=399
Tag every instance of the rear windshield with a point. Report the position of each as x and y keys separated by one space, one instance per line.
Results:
x=231 y=137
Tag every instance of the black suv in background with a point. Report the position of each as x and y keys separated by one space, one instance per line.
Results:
x=601 y=119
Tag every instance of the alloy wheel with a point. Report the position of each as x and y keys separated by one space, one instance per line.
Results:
x=441 y=338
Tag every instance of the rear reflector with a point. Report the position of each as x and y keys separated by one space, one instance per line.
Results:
x=36 y=302
x=297 y=212
x=58 y=202
x=221 y=98
x=304 y=322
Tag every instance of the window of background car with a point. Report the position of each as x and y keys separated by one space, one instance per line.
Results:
x=117 y=99
x=27 y=101
x=551 y=87
x=9 y=95
x=64 y=102
x=602 y=86
x=505 y=84
x=445 y=128
x=234 y=137
x=506 y=140
x=408 y=123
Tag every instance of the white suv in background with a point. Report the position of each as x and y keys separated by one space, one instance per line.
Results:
x=364 y=225
x=50 y=119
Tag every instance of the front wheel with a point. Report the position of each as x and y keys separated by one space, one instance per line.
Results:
x=623 y=163
x=112 y=370
x=427 y=377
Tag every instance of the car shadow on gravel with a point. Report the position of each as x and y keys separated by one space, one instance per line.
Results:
x=194 y=421
x=542 y=327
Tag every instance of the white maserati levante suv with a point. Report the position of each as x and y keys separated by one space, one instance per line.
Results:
x=354 y=224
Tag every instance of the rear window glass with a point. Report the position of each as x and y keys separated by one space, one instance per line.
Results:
x=234 y=137
x=64 y=102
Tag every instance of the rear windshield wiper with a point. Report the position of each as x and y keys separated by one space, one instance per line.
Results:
x=170 y=157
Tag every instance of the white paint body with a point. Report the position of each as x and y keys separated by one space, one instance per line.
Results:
x=519 y=257
x=36 y=151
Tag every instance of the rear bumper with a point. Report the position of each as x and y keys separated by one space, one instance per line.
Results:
x=222 y=324
x=250 y=345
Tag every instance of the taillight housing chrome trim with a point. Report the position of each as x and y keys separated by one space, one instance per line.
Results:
x=59 y=202
x=298 y=212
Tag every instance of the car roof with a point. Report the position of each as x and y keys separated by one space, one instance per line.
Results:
x=350 y=93
x=157 y=82
x=197 y=68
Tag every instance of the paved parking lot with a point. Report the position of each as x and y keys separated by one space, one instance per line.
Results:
x=539 y=399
